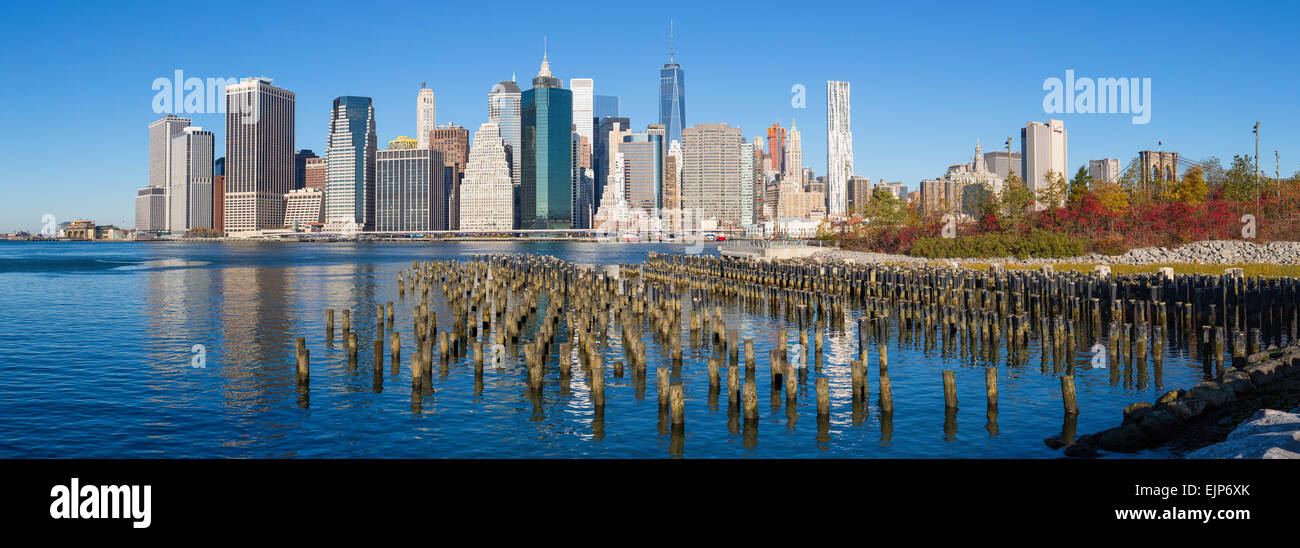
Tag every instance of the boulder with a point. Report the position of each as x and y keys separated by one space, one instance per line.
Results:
x=1238 y=381
x=1187 y=408
x=1125 y=439
x=1133 y=413
x=1085 y=447
x=1169 y=397
x=1268 y=434
x=1213 y=393
x=1263 y=373
x=1161 y=425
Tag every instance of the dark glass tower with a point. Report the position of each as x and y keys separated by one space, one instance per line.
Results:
x=672 y=98
x=546 y=195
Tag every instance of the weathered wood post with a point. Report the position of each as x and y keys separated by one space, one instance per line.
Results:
x=678 y=404
x=749 y=400
x=886 y=393
x=304 y=361
x=329 y=323
x=823 y=397
x=598 y=381
x=949 y=390
x=661 y=385
x=991 y=386
x=379 y=355
x=1067 y=395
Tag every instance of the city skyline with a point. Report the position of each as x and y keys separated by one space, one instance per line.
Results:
x=897 y=106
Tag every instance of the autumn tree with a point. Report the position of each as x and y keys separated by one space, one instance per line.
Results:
x=1111 y=196
x=1192 y=189
x=1012 y=206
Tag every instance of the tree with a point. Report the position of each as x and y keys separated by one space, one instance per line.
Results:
x=1112 y=197
x=1055 y=190
x=884 y=209
x=1192 y=189
x=1079 y=185
x=1215 y=176
x=1240 y=184
x=1011 y=207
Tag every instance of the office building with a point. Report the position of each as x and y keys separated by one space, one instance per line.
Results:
x=350 y=177
x=547 y=122
x=672 y=96
x=794 y=158
x=300 y=167
x=583 y=107
x=404 y=143
x=1104 y=170
x=1001 y=163
x=486 y=193
x=259 y=155
x=603 y=159
x=643 y=155
x=189 y=196
x=859 y=193
x=776 y=148
x=304 y=208
x=1043 y=149
x=504 y=111
x=314 y=170
x=453 y=142
x=409 y=192
x=161 y=133
x=711 y=172
x=605 y=106
x=746 y=183
x=426 y=115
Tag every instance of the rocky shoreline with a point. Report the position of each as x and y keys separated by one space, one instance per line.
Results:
x=1188 y=420
x=1204 y=252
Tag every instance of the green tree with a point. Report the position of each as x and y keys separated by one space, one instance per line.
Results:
x=1239 y=184
x=1215 y=176
x=1012 y=206
x=1079 y=185
x=1055 y=190
x=1192 y=189
x=884 y=209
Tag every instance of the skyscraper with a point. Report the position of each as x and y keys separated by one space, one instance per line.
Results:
x=486 y=194
x=189 y=196
x=794 y=158
x=672 y=95
x=300 y=159
x=504 y=110
x=259 y=154
x=547 y=122
x=350 y=177
x=605 y=106
x=839 y=148
x=746 y=183
x=776 y=148
x=711 y=172
x=161 y=134
x=602 y=159
x=643 y=164
x=1042 y=149
x=409 y=191
x=426 y=115
x=583 y=107
x=453 y=142
x=314 y=171
x=151 y=202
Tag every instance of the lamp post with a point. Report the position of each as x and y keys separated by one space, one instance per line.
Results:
x=1257 y=185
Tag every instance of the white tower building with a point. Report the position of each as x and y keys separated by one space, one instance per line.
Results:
x=839 y=147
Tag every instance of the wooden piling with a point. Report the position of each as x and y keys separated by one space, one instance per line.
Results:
x=1067 y=395
x=949 y=390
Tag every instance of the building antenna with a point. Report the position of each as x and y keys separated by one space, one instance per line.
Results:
x=671 y=52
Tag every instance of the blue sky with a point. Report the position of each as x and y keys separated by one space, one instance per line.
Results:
x=929 y=78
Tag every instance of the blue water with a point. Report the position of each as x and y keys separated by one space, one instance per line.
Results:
x=97 y=362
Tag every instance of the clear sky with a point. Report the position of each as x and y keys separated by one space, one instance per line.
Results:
x=928 y=78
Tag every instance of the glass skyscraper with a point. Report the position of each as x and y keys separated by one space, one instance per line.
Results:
x=672 y=100
x=547 y=123
x=350 y=177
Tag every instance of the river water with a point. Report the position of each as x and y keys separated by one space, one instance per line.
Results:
x=99 y=360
